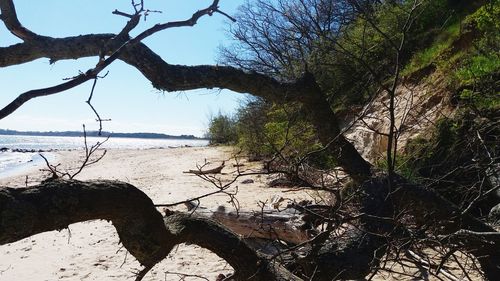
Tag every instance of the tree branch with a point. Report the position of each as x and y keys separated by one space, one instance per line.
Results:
x=56 y=204
x=9 y=17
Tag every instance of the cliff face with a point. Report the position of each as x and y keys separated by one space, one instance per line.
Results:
x=418 y=106
x=461 y=62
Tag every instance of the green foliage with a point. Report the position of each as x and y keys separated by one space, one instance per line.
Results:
x=352 y=68
x=222 y=130
x=483 y=24
x=478 y=78
x=251 y=119
x=480 y=101
x=479 y=70
x=289 y=131
x=486 y=18
x=265 y=129
x=478 y=67
x=442 y=42
x=467 y=52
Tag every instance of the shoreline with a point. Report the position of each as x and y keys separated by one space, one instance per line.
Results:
x=19 y=158
x=18 y=167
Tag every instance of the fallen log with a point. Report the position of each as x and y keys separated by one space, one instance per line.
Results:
x=288 y=225
x=216 y=170
x=53 y=205
x=58 y=203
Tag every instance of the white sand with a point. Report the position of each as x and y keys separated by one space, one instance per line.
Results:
x=90 y=250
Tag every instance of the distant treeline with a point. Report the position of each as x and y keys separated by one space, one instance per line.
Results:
x=96 y=133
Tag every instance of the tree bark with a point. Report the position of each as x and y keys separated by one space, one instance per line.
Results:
x=353 y=254
x=169 y=77
x=54 y=205
x=216 y=170
x=229 y=246
x=269 y=224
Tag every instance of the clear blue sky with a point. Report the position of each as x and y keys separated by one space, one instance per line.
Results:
x=124 y=95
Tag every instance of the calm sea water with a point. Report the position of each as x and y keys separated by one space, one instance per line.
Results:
x=12 y=162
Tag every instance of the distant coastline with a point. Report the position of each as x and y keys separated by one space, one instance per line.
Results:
x=96 y=134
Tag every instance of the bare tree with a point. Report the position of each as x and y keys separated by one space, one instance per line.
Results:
x=50 y=205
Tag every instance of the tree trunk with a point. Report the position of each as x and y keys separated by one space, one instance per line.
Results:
x=56 y=204
x=269 y=224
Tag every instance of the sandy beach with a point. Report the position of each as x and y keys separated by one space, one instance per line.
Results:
x=91 y=250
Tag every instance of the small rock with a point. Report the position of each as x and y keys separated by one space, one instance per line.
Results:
x=247 y=181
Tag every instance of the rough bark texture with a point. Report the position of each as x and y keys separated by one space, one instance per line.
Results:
x=169 y=77
x=353 y=254
x=358 y=249
x=229 y=246
x=54 y=205
x=270 y=225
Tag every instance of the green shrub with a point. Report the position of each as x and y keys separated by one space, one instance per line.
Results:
x=478 y=67
x=251 y=118
x=222 y=130
x=478 y=72
x=265 y=129
x=431 y=54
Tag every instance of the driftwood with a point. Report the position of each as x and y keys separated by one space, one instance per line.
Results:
x=216 y=170
x=288 y=225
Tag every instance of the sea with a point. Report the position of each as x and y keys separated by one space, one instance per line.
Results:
x=18 y=153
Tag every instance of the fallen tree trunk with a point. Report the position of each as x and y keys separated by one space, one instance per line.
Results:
x=56 y=204
x=229 y=246
x=354 y=253
x=359 y=249
x=286 y=225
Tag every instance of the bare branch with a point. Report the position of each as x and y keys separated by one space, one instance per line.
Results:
x=9 y=17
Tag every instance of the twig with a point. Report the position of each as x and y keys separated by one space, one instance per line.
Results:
x=184 y=275
x=89 y=102
x=89 y=152
x=116 y=12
